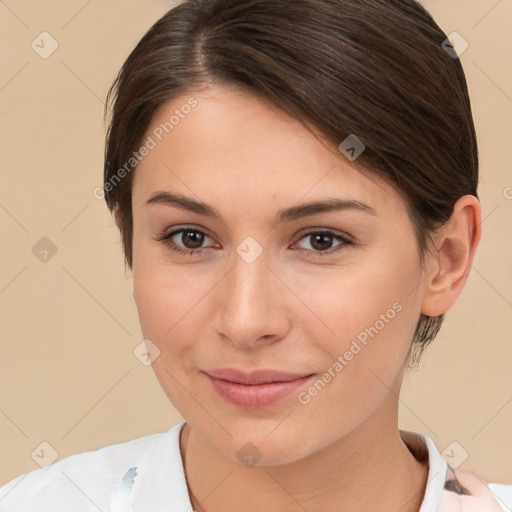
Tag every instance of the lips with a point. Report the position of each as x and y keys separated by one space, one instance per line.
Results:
x=258 y=388
x=254 y=377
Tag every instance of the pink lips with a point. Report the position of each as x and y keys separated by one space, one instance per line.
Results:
x=255 y=389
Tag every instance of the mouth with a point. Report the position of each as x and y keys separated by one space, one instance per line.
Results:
x=256 y=389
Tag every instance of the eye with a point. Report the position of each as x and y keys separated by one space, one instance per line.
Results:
x=321 y=242
x=191 y=238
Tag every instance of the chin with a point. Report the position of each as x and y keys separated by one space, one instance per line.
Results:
x=263 y=455
x=253 y=446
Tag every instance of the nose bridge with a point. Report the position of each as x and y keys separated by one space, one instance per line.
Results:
x=249 y=302
x=249 y=282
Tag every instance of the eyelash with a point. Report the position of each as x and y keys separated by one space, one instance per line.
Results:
x=165 y=238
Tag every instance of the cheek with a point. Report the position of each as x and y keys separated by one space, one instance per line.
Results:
x=371 y=315
x=172 y=303
x=159 y=289
x=361 y=362
x=165 y=302
x=363 y=301
x=164 y=297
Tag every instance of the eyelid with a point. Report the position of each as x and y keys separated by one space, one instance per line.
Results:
x=344 y=238
x=334 y=232
x=168 y=233
x=306 y=231
x=166 y=236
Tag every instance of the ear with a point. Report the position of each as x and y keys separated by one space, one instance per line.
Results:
x=117 y=217
x=456 y=245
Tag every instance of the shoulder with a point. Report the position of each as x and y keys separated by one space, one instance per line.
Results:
x=85 y=481
x=503 y=494
x=452 y=488
x=468 y=491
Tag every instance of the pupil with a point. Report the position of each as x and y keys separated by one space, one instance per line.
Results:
x=197 y=239
x=322 y=237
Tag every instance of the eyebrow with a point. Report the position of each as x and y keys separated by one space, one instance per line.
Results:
x=284 y=215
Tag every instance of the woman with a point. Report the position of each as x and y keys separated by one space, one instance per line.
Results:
x=295 y=184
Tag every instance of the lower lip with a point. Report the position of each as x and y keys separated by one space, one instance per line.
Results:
x=256 y=395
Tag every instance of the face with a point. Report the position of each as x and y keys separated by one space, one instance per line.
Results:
x=249 y=286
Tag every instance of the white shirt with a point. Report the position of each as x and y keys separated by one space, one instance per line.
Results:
x=147 y=475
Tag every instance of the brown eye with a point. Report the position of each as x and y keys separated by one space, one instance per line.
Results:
x=321 y=242
x=192 y=239
x=184 y=240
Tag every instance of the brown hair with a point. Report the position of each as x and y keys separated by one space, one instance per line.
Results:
x=373 y=68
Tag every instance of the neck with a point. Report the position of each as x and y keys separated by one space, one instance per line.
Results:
x=370 y=469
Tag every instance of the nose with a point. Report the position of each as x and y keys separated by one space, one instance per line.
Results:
x=251 y=306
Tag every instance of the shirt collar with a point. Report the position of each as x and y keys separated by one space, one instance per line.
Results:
x=161 y=477
x=161 y=485
x=426 y=452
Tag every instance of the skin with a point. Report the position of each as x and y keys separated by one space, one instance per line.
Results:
x=285 y=310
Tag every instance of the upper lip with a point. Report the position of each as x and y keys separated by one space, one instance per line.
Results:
x=254 y=376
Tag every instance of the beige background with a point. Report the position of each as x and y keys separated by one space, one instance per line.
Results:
x=69 y=326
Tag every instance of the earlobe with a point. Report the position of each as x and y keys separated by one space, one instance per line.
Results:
x=456 y=246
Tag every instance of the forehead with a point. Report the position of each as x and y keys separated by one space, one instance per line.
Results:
x=234 y=144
